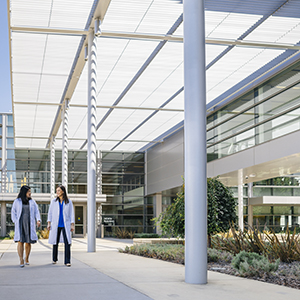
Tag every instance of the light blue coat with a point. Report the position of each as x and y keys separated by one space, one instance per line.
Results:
x=16 y=212
x=53 y=217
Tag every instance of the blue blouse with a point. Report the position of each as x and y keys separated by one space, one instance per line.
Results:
x=61 y=216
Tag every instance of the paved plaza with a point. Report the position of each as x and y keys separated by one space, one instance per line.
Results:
x=108 y=274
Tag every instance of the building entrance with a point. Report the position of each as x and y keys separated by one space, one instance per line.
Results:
x=79 y=224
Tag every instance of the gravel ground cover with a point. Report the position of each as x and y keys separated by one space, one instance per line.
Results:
x=287 y=274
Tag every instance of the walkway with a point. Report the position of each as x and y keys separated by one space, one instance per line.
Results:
x=108 y=274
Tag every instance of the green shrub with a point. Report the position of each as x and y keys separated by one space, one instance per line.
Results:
x=173 y=252
x=11 y=234
x=214 y=255
x=286 y=246
x=146 y=235
x=123 y=233
x=221 y=211
x=168 y=252
x=253 y=264
x=171 y=221
x=235 y=241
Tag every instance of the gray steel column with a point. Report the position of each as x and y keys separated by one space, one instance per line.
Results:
x=240 y=200
x=65 y=135
x=158 y=209
x=91 y=145
x=52 y=167
x=3 y=166
x=3 y=219
x=195 y=143
x=250 y=207
x=99 y=173
x=250 y=189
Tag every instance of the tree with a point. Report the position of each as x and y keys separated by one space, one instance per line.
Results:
x=221 y=211
x=171 y=221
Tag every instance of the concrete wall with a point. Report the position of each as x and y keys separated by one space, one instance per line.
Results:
x=165 y=164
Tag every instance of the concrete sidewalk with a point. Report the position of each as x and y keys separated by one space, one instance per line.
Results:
x=108 y=274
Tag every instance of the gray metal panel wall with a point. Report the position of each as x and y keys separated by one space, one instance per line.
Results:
x=277 y=157
x=165 y=164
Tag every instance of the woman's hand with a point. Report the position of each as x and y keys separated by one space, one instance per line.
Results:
x=38 y=223
x=72 y=227
x=49 y=226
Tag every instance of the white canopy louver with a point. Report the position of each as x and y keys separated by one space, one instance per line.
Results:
x=140 y=74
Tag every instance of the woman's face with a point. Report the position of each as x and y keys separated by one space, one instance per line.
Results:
x=59 y=192
x=28 y=194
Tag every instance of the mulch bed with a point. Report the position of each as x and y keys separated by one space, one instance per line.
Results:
x=283 y=276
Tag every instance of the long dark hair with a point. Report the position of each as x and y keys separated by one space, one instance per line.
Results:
x=22 y=194
x=65 y=196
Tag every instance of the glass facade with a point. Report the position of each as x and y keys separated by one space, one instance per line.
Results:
x=275 y=217
x=123 y=182
x=32 y=167
x=9 y=223
x=122 y=179
x=267 y=112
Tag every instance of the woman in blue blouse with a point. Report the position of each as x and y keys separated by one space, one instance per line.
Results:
x=61 y=223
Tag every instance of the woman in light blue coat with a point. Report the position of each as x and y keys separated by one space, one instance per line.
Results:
x=60 y=223
x=24 y=214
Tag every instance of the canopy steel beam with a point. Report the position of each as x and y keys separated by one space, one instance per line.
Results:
x=47 y=30
x=139 y=72
x=78 y=65
x=147 y=119
x=83 y=139
x=160 y=37
x=245 y=34
x=105 y=106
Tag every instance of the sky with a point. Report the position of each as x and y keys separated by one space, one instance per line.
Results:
x=5 y=87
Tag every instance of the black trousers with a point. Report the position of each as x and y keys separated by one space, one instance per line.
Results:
x=67 y=246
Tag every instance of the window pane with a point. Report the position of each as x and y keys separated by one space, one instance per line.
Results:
x=10 y=131
x=10 y=154
x=10 y=143
x=10 y=120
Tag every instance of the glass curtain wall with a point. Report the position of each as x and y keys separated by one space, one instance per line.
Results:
x=274 y=217
x=277 y=217
x=267 y=112
x=77 y=171
x=32 y=167
x=123 y=181
x=245 y=201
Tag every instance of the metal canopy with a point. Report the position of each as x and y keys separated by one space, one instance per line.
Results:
x=139 y=64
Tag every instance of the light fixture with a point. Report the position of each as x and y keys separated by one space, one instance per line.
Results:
x=97 y=28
